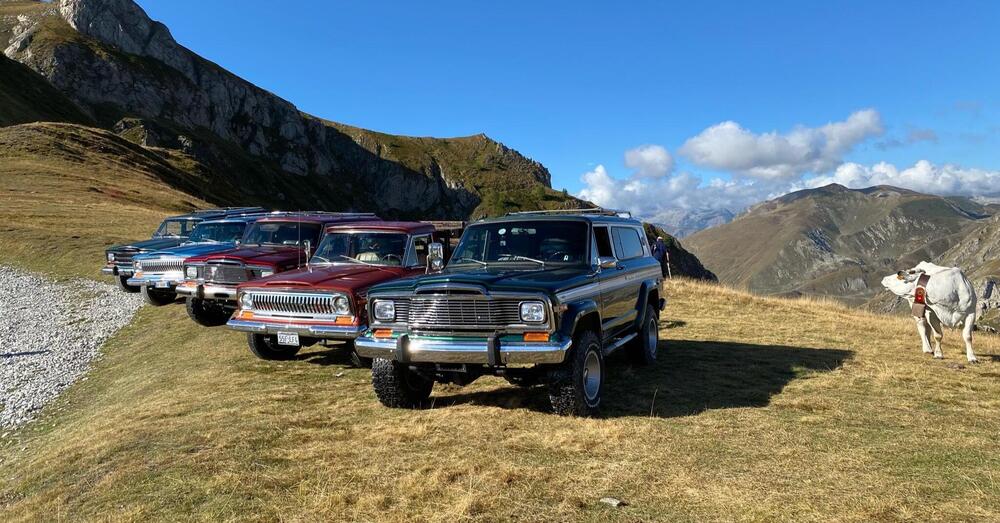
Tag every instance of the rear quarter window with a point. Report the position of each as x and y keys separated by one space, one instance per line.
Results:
x=627 y=242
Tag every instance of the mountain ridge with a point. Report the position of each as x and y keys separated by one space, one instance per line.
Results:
x=834 y=241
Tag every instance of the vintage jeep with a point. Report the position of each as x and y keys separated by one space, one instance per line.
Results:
x=159 y=273
x=271 y=245
x=172 y=232
x=533 y=297
x=324 y=301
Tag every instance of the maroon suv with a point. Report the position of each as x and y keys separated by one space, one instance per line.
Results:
x=274 y=244
x=325 y=301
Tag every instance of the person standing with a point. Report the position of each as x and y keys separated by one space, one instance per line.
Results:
x=661 y=255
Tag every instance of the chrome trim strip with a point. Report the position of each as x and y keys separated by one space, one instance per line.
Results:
x=332 y=332
x=421 y=350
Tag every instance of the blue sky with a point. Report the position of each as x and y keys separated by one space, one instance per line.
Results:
x=575 y=85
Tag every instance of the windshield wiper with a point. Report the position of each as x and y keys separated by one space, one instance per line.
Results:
x=519 y=257
x=466 y=258
x=321 y=258
x=355 y=260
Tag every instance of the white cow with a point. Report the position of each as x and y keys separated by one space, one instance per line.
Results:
x=950 y=298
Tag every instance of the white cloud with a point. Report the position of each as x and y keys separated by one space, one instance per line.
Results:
x=649 y=161
x=923 y=176
x=771 y=156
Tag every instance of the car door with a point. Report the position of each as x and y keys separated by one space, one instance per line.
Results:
x=620 y=289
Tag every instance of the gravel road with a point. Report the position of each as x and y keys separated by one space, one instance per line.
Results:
x=49 y=333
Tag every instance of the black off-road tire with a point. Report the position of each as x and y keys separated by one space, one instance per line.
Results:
x=158 y=298
x=399 y=387
x=572 y=390
x=123 y=285
x=642 y=349
x=205 y=313
x=266 y=347
x=357 y=360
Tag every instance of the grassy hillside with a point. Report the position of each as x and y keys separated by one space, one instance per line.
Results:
x=760 y=409
x=834 y=241
x=67 y=192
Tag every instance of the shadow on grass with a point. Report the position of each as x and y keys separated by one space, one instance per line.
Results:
x=326 y=355
x=690 y=377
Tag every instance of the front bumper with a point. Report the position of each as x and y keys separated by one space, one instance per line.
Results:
x=208 y=291
x=157 y=281
x=486 y=351
x=114 y=270
x=327 y=332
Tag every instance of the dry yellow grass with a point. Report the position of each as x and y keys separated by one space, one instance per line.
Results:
x=759 y=409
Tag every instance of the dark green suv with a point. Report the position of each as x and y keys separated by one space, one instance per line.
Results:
x=537 y=298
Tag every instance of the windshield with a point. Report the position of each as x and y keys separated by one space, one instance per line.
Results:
x=282 y=233
x=538 y=242
x=178 y=228
x=362 y=247
x=217 y=232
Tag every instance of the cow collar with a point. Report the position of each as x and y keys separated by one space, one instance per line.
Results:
x=920 y=296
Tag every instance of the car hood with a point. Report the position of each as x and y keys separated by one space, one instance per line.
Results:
x=347 y=278
x=279 y=257
x=505 y=279
x=153 y=244
x=193 y=249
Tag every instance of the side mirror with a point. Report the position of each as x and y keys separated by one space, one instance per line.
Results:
x=607 y=262
x=435 y=257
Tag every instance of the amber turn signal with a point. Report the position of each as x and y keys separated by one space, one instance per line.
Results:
x=383 y=333
x=343 y=320
x=536 y=336
x=246 y=315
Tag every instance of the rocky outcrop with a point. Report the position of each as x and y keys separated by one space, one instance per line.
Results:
x=122 y=67
x=680 y=261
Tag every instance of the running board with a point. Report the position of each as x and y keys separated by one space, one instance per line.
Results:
x=618 y=344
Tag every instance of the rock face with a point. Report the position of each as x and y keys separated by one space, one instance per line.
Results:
x=127 y=70
x=682 y=262
x=835 y=241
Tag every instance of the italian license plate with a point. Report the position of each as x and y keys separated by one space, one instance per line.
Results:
x=288 y=338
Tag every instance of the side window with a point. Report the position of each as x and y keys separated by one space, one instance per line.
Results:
x=627 y=242
x=420 y=248
x=603 y=242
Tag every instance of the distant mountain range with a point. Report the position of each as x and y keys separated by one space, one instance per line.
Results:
x=840 y=242
x=683 y=222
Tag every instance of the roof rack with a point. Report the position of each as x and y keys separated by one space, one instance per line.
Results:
x=593 y=210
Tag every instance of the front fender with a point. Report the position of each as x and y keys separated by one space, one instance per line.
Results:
x=575 y=312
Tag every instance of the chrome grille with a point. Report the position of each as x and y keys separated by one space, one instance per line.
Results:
x=452 y=312
x=123 y=259
x=225 y=273
x=161 y=265
x=292 y=304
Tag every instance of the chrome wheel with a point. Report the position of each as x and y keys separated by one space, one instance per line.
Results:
x=652 y=336
x=592 y=376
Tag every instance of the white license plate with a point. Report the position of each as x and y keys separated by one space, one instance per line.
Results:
x=162 y=285
x=288 y=338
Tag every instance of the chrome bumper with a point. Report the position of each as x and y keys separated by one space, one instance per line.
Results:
x=330 y=332
x=116 y=271
x=476 y=351
x=157 y=281
x=208 y=291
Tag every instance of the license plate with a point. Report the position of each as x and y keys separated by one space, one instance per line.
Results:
x=162 y=285
x=288 y=338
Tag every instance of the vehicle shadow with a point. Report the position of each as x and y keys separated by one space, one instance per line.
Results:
x=325 y=355
x=689 y=377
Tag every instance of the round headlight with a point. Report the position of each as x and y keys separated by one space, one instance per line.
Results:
x=246 y=301
x=532 y=312
x=191 y=272
x=111 y=256
x=341 y=305
x=385 y=310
